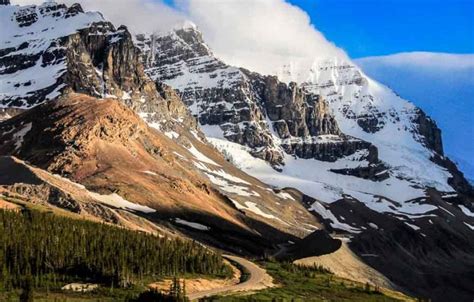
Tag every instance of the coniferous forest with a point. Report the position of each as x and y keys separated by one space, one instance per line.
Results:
x=49 y=249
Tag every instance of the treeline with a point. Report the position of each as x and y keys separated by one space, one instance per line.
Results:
x=306 y=270
x=48 y=249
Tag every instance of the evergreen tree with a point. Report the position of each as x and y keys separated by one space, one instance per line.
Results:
x=367 y=287
x=27 y=291
x=55 y=250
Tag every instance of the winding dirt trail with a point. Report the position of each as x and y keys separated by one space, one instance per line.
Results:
x=259 y=279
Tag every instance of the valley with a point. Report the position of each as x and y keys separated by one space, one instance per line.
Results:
x=144 y=165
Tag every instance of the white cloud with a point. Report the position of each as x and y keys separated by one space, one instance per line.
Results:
x=418 y=59
x=262 y=35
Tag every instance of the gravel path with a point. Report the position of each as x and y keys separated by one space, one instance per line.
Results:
x=259 y=279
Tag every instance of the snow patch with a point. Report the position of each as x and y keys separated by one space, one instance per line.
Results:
x=193 y=225
x=334 y=222
x=150 y=173
x=469 y=226
x=172 y=134
x=70 y=181
x=19 y=136
x=373 y=225
x=118 y=201
x=201 y=157
x=416 y=228
x=253 y=207
x=466 y=211
x=285 y=195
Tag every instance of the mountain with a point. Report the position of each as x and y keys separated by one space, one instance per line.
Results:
x=93 y=132
x=442 y=85
x=157 y=129
x=302 y=123
x=369 y=164
x=336 y=108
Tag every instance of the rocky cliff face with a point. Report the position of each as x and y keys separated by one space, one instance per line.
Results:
x=303 y=122
x=429 y=133
x=260 y=112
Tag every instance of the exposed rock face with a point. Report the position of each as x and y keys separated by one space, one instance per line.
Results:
x=303 y=121
x=301 y=114
x=270 y=117
x=430 y=134
x=106 y=63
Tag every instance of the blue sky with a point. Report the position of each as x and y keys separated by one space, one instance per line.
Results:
x=379 y=27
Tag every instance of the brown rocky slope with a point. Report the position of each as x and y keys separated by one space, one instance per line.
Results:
x=105 y=146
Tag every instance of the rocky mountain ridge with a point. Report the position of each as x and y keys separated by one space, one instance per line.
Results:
x=260 y=112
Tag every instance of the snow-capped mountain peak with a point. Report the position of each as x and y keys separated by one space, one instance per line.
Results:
x=363 y=114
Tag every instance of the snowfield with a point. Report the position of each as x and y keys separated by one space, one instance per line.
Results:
x=313 y=178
